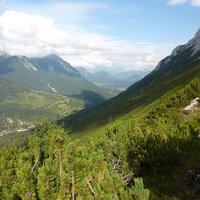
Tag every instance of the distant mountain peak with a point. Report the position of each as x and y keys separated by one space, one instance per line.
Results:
x=193 y=44
x=181 y=55
x=56 y=64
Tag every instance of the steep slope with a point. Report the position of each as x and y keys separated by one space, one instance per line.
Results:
x=173 y=71
x=160 y=144
x=159 y=141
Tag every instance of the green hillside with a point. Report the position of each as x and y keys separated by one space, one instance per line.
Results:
x=160 y=144
x=172 y=72
x=142 y=144
x=136 y=97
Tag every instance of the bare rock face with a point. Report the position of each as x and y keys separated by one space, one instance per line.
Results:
x=187 y=52
x=193 y=105
x=197 y=35
x=193 y=44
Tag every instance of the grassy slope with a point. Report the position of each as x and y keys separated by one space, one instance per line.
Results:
x=157 y=112
x=160 y=144
x=171 y=179
x=158 y=140
x=134 y=99
x=168 y=147
x=154 y=131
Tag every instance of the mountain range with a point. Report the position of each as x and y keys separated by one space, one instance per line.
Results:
x=40 y=80
x=119 y=81
x=141 y=144
x=176 y=69
x=48 y=74
x=51 y=74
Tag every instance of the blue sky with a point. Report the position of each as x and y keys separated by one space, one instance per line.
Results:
x=110 y=34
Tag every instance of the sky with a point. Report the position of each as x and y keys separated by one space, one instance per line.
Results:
x=112 y=35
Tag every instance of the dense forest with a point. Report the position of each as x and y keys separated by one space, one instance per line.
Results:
x=151 y=155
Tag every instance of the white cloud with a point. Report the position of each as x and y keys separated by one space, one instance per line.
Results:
x=34 y=35
x=191 y=2
x=175 y=2
x=195 y=3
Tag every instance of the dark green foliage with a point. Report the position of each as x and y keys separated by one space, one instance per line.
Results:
x=53 y=167
x=138 y=191
x=157 y=140
x=155 y=145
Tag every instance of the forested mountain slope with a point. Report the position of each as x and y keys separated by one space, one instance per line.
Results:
x=151 y=151
x=160 y=144
x=49 y=74
x=172 y=72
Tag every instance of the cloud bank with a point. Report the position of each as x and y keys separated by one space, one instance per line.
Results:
x=35 y=35
x=191 y=2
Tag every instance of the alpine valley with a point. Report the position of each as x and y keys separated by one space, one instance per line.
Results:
x=141 y=144
x=35 y=89
x=118 y=82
